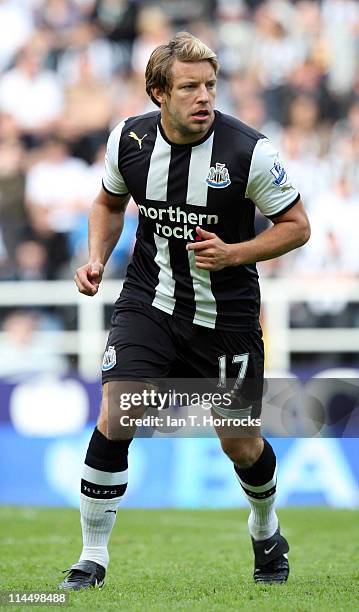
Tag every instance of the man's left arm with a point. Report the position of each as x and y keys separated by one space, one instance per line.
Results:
x=272 y=191
x=289 y=231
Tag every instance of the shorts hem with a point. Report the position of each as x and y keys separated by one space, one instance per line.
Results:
x=119 y=378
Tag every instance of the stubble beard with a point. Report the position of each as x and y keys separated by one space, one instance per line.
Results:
x=187 y=130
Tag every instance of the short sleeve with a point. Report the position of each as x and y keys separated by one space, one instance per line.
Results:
x=269 y=186
x=112 y=180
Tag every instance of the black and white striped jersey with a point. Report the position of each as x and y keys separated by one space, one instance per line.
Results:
x=214 y=183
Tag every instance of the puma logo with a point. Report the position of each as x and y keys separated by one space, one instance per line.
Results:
x=135 y=137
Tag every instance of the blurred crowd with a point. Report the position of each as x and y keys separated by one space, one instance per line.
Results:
x=71 y=69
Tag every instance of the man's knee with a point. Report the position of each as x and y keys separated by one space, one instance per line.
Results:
x=117 y=413
x=244 y=452
x=102 y=421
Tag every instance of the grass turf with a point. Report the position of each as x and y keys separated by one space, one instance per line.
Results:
x=197 y=560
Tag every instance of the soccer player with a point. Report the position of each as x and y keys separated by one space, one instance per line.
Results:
x=191 y=296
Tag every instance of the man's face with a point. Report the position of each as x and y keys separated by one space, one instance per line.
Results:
x=187 y=109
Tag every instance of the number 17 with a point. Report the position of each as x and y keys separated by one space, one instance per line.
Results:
x=222 y=362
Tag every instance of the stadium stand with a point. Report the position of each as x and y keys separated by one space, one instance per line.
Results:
x=72 y=68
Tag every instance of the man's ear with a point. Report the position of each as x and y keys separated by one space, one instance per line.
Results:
x=158 y=94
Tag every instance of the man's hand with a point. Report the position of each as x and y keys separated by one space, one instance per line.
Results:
x=211 y=253
x=88 y=277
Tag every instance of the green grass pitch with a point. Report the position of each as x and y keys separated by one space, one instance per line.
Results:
x=196 y=560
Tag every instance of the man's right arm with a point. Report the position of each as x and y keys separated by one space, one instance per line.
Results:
x=105 y=226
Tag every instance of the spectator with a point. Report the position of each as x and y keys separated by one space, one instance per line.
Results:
x=22 y=350
x=340 y=26
x=117 y=19
x=303 y=119
x=308 y=170
x=289 y=68
x=332 y=252
x=275 y=53
x=31 y=261
x=84 y=131
x=55 y=197
x=40 y=88
x=16 y=27
x=13 y=218
x=335 y=247
x=153 y=28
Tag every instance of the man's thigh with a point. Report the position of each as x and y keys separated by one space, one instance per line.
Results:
x=233 y=360
x=140 y=344
x=233 y=364
x=139 y=352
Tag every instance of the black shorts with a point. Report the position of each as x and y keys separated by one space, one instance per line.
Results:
x=146 y=343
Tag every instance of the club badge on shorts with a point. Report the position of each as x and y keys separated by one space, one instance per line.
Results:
x=109 y=359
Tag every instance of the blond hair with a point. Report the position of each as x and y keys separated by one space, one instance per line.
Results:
x=184 y=47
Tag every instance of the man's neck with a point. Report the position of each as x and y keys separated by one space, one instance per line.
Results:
x=177 y=137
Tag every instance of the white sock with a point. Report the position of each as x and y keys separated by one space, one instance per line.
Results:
x=97 y=524
x=262 y=521
x=98 y=515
